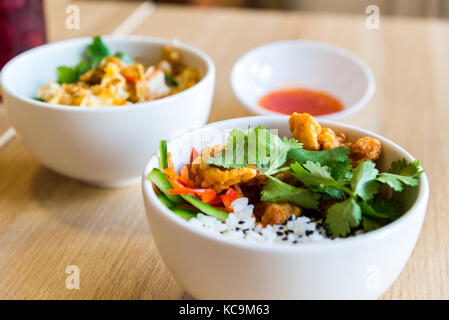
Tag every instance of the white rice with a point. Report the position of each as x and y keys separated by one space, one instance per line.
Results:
x=241 y=225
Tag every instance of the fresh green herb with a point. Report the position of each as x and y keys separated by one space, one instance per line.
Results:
x=363 y=181
x=124 y=57
x=370 y=224
x=335 y=159
x=318 y=178
x=38 y=99
x=342 y=216
x=325 y=157
x=71 y=74
x=401 y=173
x=277 y=191
x=342 y=171
x=96 y=51
x=171 y=81
x=258 y=146
x=381 y=208
x=356 y=191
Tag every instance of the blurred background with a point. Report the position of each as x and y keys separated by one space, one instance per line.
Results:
x=434 y=8
x=22 y=22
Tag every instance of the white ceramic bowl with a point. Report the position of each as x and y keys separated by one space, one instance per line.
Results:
x=305 y=64
x=104 y=146
x=209 y=266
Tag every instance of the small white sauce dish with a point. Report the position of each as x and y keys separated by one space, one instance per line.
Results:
x=210 y=266
x=104 y=146
x=306 y=64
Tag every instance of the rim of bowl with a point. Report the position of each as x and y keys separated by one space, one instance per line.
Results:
x=210 y=73
x=347 y=111
x=421 y=200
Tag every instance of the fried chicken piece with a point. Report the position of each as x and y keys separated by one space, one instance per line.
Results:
x=173 y=57
x=259 y=209
x=328 y=139
x=94 y=76
x=364 y=149
x=278 y=213
x=219 y=179
x=305 y=129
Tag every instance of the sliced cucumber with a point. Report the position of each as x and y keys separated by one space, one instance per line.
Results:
x=184 y=213
x=166 y=201
x=160 y=180
x=163 y=155
x=205 y=208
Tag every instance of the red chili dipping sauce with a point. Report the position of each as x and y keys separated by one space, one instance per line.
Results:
x=314 y=102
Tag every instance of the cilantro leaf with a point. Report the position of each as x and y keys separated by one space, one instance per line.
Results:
x=235 y=154
x=342 y=171
x=401 y=173
x=171 y=81
x=379 y=212
x=325 y=157
x=96 y=51
x=71 y=74
x=363 y=182
x=342 y=216
x=124 y=57
x=318 y=178
x=370 y=224
x=279 y=149
x=405 y=168
x=278 y=191
x=258 y=147
x=381 y=208
x=396 y=181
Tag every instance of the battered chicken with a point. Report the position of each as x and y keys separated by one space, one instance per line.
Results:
x=219 y=179
x=114 y=82
x=308 y=131
x=328 y=139
x=275 y=213
x=305 y=129
x=364 y=149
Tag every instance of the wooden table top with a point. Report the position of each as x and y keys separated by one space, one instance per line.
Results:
x=48 y=222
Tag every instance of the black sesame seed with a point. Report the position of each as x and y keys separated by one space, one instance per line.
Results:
x=237 y=229
x=309 y=232
x=284 y=239
x=241 y=222
x=279 y=233
x=295 y=242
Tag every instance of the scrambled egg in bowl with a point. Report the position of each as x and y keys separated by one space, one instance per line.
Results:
x=114 y=80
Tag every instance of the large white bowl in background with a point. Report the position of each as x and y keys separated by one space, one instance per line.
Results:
x=305 y=64
x=209 y=266
x=104 y=146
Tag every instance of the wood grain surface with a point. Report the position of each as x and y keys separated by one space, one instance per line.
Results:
x=48 y=221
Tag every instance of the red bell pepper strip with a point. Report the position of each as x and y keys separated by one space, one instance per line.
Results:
x=193 y=155
x=229 y=197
